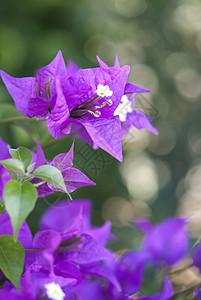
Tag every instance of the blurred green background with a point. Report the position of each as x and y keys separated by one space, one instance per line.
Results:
x=161 y=41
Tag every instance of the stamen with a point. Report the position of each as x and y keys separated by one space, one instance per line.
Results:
x=88 y=104
x=47 y=87
x=107 y=102
x=96 y=113
x=37 y=87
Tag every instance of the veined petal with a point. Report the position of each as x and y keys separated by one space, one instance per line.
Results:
x=101 y=63
x=116 y=62
x=74 y=179
x=62 y=215
x=37 y=107
x=139 y=121
x=56 y=68
x=40 y=157
x=21 y=90
x=63 y=160
x=72 y=68
x=166 y=293
x=131 y=88
x=106 y=133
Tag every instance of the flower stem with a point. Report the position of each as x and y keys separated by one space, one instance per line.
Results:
x=33 y=250
x=15 y=119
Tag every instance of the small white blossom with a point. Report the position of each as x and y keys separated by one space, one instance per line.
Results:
x=103 y=91
x=54 y=291
x=123 y=108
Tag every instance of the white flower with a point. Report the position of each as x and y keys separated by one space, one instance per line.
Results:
x=123 y=108
x=54 y=291
x=103 y=91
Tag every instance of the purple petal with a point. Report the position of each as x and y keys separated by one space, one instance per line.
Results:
x=130 y=271
x=68 y=269
x=48 y=240
x=131 y=88
x=40 y=157
x=72 y=68
x=101 y=63
x=89 y=291
x=11 y=295
x=21 y=90
x=168 y=241
x=74 y=179
x=107 y=134
x=197 y=293
x=24 y=234
x=4 y=154
x=62 y=215
x=43 y=190
x=143 y=224
x=166 y=293
x=56 y=68
x=101 y=234
x=59 y=113
x=63 y=160
x=89 y=251
x=116 y=62
x=101 y=271
x=38 y=107
x=139 y=121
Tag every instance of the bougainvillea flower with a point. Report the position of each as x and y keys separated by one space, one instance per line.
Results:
x=167 y=242
x=89 y=97
x=72 y=246
x=77 y=244
x=166 y=293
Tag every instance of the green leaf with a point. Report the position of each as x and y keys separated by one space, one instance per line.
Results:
x=31 y=167
x=13 y=164
x=19 y=200
x=13 y=174
x=50 y=174
x=11 y=259
x=23 y=154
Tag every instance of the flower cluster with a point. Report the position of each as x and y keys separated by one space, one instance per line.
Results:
x=69 y=258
